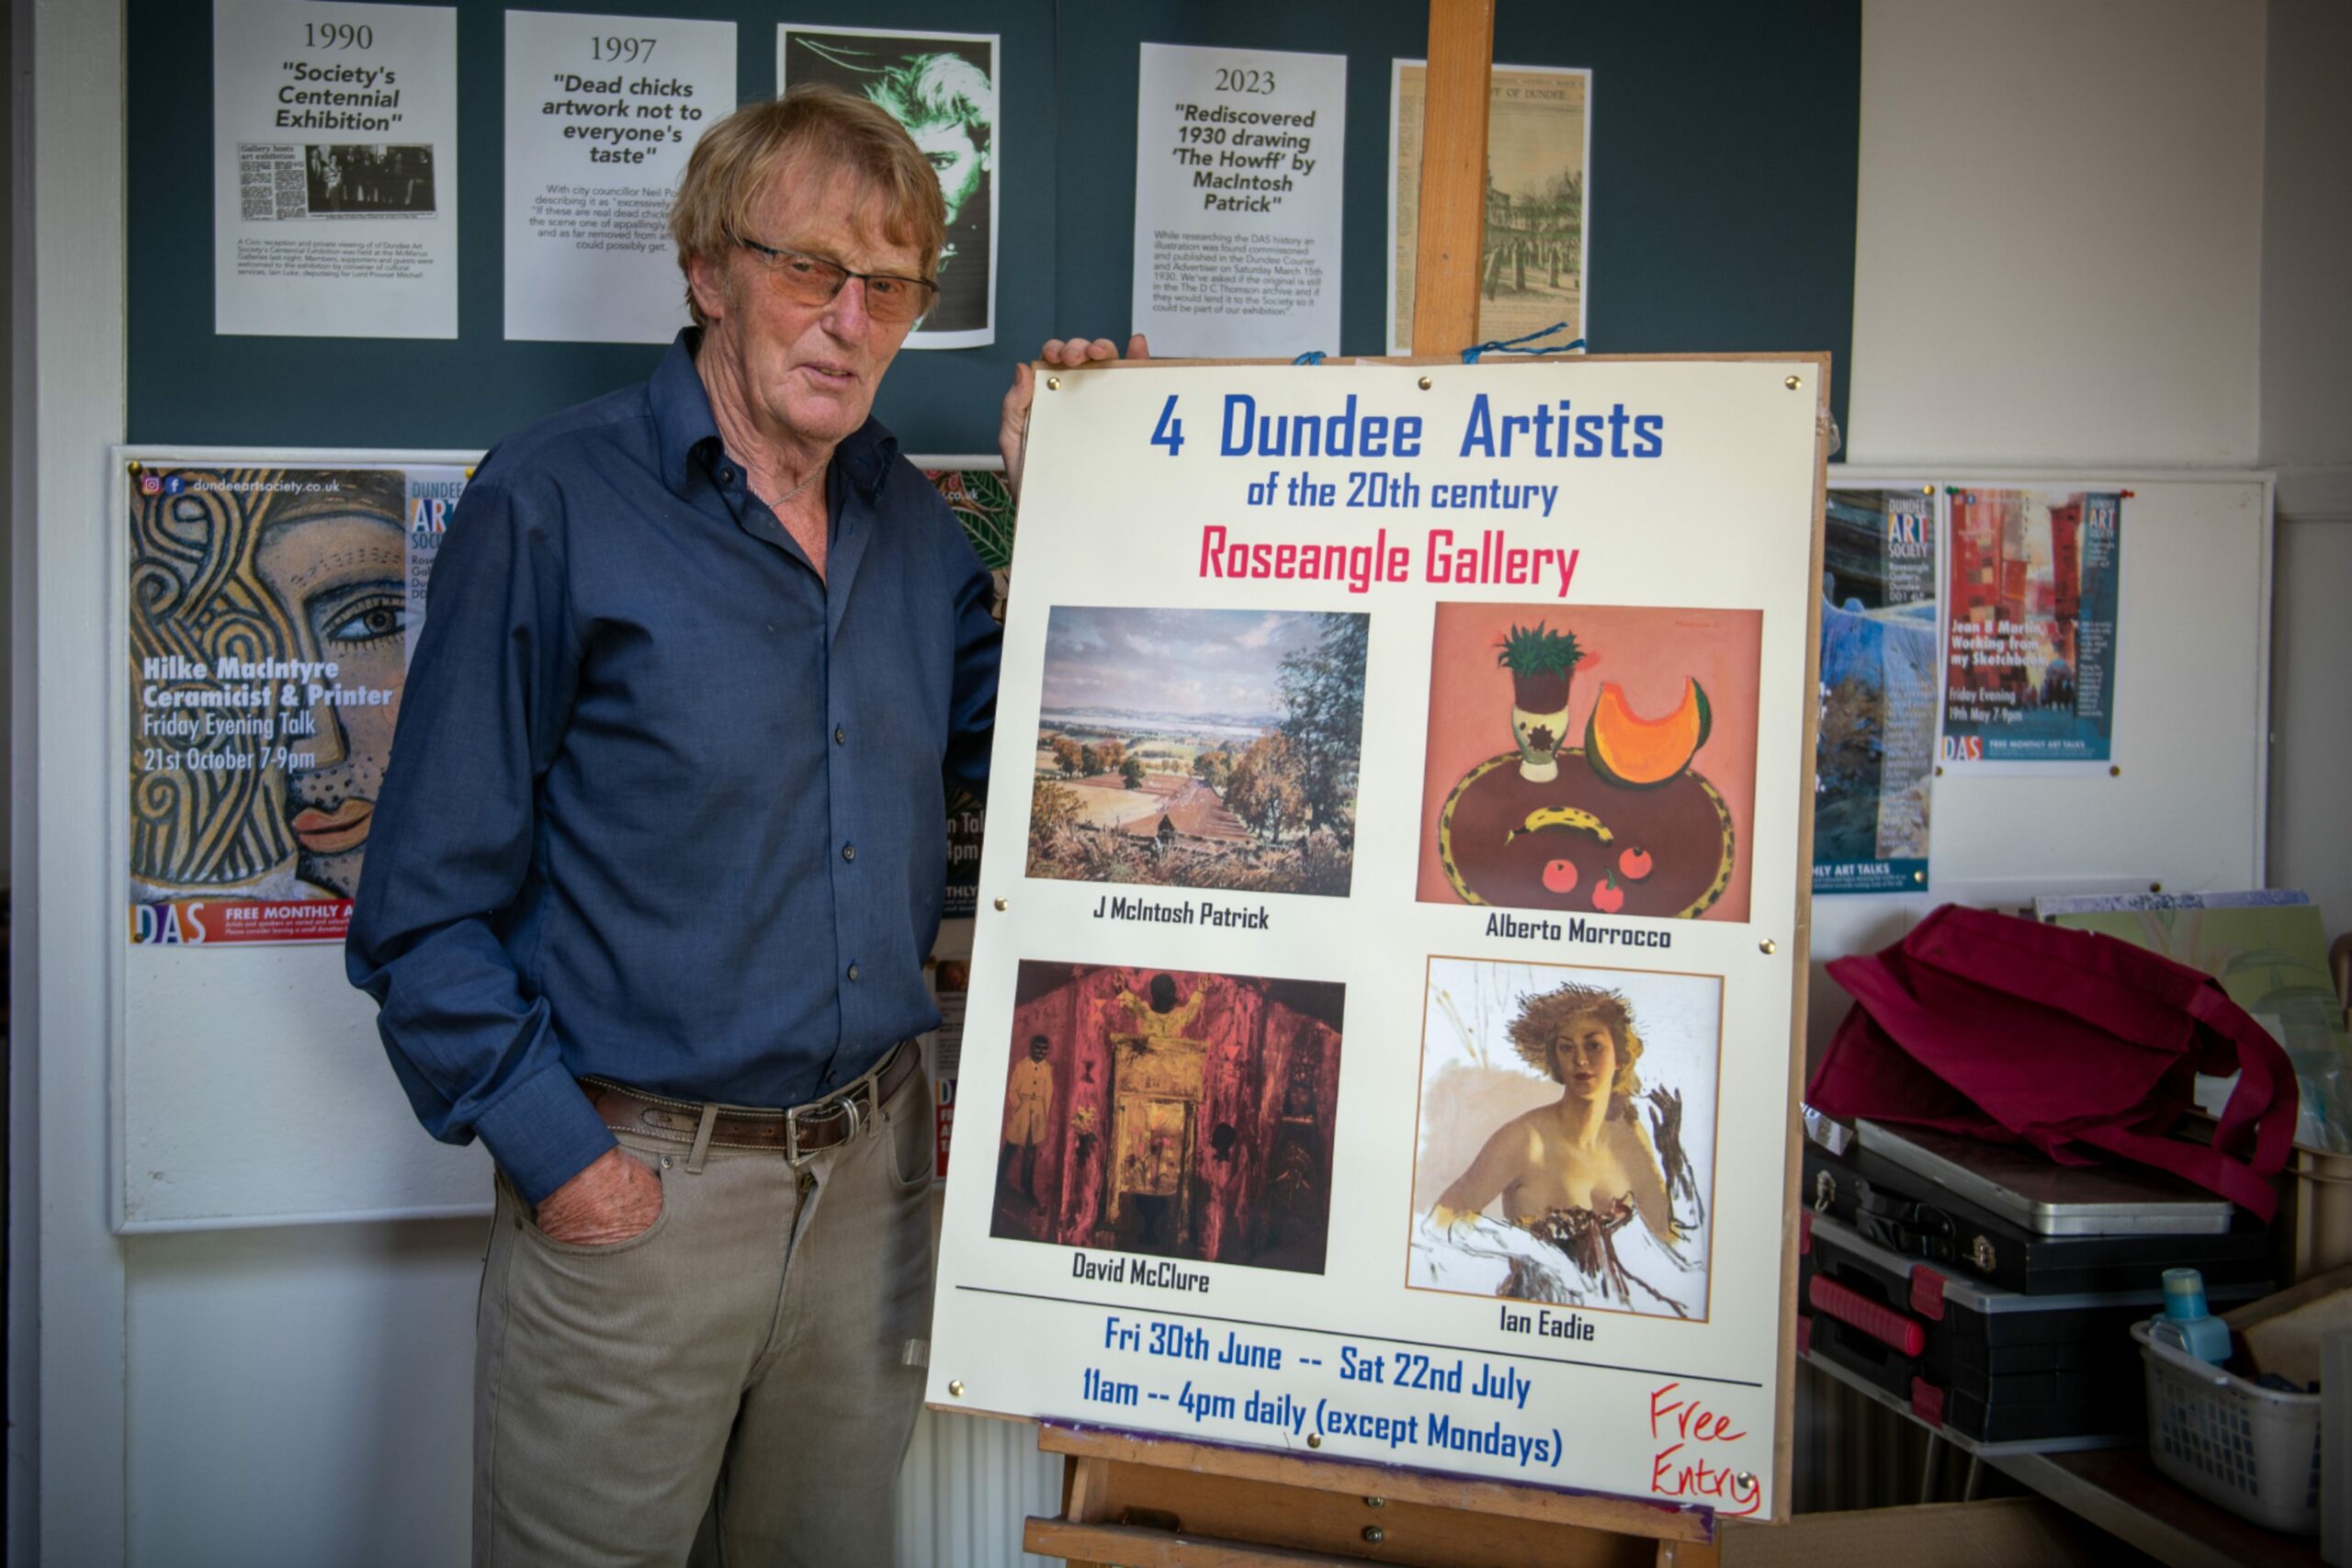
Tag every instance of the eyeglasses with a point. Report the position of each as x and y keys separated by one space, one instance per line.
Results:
x=812 y=280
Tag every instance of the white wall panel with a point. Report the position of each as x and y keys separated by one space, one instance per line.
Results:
x=2058 y=249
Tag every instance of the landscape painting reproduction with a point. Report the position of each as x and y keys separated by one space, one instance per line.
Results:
x=1567 y=1129
x=1211 y=748
x=1171 y=1113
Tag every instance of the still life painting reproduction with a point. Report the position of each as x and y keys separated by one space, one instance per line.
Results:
x=1594 y=761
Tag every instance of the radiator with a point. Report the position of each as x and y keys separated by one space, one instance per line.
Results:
x=964 y=1488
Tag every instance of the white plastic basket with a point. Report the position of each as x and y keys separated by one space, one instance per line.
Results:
x=2251 y=1450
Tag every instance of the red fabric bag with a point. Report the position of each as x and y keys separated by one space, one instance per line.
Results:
x=2011 y=1031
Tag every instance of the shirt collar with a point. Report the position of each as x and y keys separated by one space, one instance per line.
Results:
x=683 y=424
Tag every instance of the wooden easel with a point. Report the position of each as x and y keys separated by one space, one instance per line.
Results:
x=1138 y=1501
x=1149 y=1502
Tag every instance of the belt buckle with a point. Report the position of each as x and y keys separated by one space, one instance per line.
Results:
x=846 y=1103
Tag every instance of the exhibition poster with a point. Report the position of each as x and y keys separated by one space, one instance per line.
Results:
x=601 y=113
x=1240 y=162
x=1380 y=1043
x=2032 y=600
x=335 y=169
x=1874 y=764
x=272 y=610
x=943 y=88
x=1539 y=146
x=982 y=503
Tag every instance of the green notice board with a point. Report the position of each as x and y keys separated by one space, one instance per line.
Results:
x=1721 y=190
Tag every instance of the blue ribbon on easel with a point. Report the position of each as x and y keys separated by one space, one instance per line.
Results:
x=1532 y=344
x=1516 y=345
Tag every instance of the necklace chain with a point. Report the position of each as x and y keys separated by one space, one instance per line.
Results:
x=778 y=504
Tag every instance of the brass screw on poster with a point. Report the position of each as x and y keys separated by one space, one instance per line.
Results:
x=956 y=1388
x=1767 y=946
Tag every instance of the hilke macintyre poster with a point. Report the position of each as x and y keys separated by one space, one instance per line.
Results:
x=272 y=612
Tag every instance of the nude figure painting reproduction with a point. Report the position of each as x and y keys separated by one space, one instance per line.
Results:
x=1566 y=1136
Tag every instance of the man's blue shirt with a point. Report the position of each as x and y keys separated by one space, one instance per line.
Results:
x=664 y=805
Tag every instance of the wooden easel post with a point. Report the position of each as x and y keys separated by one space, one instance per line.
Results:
x=1454 y=176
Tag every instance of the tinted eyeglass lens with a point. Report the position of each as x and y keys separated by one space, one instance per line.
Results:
x=895 y=300
x=812 y=280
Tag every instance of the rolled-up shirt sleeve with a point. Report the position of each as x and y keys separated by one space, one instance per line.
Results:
x=449 y=852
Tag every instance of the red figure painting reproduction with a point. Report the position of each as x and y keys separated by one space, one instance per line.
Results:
x=1171 y=1113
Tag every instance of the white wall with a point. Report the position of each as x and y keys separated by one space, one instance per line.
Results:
x=2061 y=262
x=2058 y=255
x=2307 y=436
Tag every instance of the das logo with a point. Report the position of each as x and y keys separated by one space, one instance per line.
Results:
x=168 y=925
x=1963 y=747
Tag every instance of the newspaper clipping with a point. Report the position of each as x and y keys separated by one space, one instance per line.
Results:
x=335 y=170
x=1239 y=158
x=1539 y=146
x=601 y=114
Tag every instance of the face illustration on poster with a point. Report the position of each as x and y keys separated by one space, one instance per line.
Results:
x=943 y=89
x=339 y=573
x=271 y=800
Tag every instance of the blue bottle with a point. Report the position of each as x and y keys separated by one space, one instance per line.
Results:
x=2186 y=1324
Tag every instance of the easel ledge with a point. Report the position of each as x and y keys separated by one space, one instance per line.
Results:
x=1152 y=1501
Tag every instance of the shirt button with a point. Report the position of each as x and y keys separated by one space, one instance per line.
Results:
x=853 y=971
x=840 y=736
x=849 y=851
x=727 y=476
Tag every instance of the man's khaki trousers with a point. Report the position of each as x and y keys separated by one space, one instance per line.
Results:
x=734 y=1385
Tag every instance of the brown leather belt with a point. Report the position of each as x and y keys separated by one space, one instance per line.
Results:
x=796 y=1133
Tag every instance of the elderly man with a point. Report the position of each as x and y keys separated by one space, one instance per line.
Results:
x=654 y=869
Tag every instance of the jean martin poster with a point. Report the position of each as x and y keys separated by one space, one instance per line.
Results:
x=2032 y=614
x=1379 y=1044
